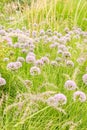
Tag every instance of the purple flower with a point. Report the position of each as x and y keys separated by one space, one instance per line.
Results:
x=54 y=63
x=56 y=100
x=39 y=62
x=21 y=59
x=2 y=81
x=67 y=54
x=80 y=96
x=84 y=78
x=60 y=98
x=70 y=63
x=30 y=59
x=70 y=85
x=6 y=59
x=45 y=59
x=14 y=65
x=35 y=70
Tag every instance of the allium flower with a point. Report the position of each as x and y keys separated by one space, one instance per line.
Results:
x=28 y=83
x=70 y=85
x=2 y=32
x=18 y=64
x=11 y=66
x=60 y=98
x=21 y=59
x=58 y=59
x=62 y=47
x=81 y=60
x=16 y=45
x=54 y=63
x=39 y=62
x=35 y=71
x=70 y=63
x=54 y=45
x=45 y=59
x=80 y=96
x=67 y=54
x=56 y=100
x=30 y=59
x=31 y=54
x=2 y=81
x=60 y=52
x=14 y=65
x=51 y=101
x=6 y=59
x=42 y=32
x=84 y=78
x=34 y=33
x=24 y=51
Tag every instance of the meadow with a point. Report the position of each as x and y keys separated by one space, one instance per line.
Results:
x=43 y=65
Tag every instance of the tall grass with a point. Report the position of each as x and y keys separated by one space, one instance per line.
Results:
x=50 y=14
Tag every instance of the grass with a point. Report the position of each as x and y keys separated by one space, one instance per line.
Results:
x=25 y=108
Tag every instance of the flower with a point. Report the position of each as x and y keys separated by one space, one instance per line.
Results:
x=30 y=59
x=56 y=100
x=6 y=59
x=84 y=78
x=80 y=96
x=39 y=62
x=54 y=63
x=66 y=54
x=28 y=83
x=60 y=98
x=2 y=81
x=70 y=63
x=35 y=71
x=14 y=65
x=21 y=59
x=70 y=85
x=45 y=59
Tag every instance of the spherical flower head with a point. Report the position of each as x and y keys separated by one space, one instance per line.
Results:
x=2 y=81
x=34 y=33
x=67 y=54
x=84 y=78
x=21 y=59
x=81 y=60
x=35 y=71
x=70 y=63
x=6 y=59
x=60 y=99
x=56 y=100
x=16 y=45
x=51 y=101
x=24 y=51
x=39 y=63
x=2 y=32
x=79 y=96
x=14 y=65
x=42 y=32
x=11 y=66
x=70 y=85
x=54 y=45
x=28 y=83
x=54 y=63
x=31 y=54
x=58 y=59
x=18 y=64
x=30 y=59
x=45 y=59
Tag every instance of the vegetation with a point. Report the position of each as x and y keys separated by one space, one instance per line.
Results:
x=43 y=65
